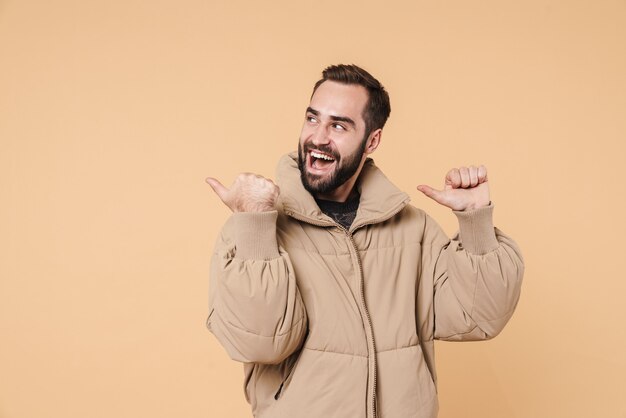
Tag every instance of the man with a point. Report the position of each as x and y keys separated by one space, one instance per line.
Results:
x=332 y=288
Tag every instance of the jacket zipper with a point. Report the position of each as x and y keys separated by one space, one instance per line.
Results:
x=369 y=322
x=362 y=286
x=367 y=314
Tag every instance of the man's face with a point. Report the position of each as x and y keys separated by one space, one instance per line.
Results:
x=333 y=138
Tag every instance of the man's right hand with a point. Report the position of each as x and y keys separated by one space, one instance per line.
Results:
x=249 y=193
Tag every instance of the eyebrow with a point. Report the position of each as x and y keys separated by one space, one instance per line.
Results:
x=333 y=117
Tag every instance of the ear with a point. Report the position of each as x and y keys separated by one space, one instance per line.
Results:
x=373 y=141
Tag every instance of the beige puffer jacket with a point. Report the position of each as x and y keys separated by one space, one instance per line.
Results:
x=340 y=323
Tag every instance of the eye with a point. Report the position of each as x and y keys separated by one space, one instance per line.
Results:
x=311 y=119
x=339 y=126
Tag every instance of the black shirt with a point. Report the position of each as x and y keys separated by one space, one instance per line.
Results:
x=342 y=212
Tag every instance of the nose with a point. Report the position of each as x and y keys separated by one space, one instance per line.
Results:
x=320 y=136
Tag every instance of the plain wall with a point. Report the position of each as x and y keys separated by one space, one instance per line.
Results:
x=113 y=112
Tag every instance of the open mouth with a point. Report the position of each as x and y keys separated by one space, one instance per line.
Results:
x=320 y=162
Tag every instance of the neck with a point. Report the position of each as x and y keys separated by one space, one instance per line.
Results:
x=339 y=198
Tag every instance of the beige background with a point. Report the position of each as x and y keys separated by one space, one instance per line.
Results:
x=112 y=113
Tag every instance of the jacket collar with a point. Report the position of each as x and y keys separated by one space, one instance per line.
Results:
x=379 y=201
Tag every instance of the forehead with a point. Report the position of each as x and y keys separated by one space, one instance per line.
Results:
x=338 y=99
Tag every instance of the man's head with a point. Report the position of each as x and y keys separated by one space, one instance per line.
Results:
x=343 y=124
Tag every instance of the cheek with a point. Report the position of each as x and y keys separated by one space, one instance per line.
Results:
x=305 y=134
x=347 y=146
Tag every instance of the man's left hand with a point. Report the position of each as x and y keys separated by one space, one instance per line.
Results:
x=465 y=189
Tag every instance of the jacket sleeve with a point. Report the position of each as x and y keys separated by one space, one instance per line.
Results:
x=477 y=276
x=255 y=308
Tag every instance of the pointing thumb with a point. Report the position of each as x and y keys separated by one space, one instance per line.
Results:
x=430 y=192
x=217 y=187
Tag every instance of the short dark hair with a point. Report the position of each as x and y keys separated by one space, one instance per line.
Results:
x=377 y=109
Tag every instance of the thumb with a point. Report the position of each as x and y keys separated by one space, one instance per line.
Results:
x=218 y=188
x=430 y=192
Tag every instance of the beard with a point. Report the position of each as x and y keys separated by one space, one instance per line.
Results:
x=345 y=167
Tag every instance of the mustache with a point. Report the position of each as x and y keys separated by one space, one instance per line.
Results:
x=323 y=148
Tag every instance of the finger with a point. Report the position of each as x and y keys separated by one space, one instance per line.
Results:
x=218 y=188
x=250 y=175
x=453 y=178
x=473 y=174
x=430 y=192
x=482 y=174
x=465 y=178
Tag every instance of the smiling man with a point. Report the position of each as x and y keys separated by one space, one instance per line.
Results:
x=331 y=288
x=329 y=168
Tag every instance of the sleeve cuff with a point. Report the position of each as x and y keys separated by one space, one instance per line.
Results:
x=476 y=229
x=255 y=235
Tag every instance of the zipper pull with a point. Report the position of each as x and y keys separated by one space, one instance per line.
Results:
x=280 y=389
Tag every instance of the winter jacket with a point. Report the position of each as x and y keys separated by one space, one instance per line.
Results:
x=340 y=323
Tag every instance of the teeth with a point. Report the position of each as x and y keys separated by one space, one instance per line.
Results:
x=322 y=156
